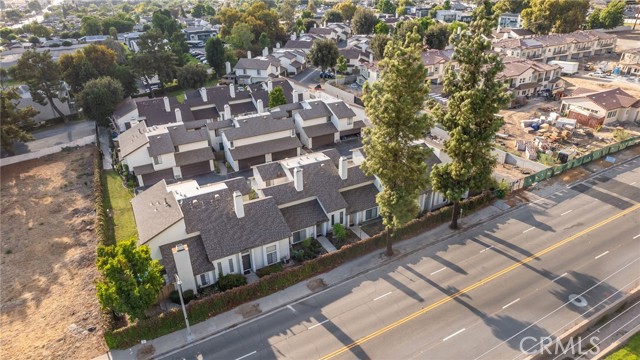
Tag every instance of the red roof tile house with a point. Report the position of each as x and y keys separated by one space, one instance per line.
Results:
x=607 y=106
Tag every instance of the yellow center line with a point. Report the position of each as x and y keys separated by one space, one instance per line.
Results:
x=477 y=284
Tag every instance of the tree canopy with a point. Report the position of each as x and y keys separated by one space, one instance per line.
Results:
x=192 y=76
x=437 y=36
x=394 y=104
x=241 y=36
x=100 y=98
x=276 y=97
x=363 y=21
x=378 y=44
x=470 y=116
x=347 y=8
x=324 y=54
x=556 y=16
x=131 y=280
x=333 y=15
x=15 y=122
x=42 y=74
x=214 y=51
x=609 y=17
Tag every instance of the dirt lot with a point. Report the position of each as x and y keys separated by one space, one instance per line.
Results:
x=48 y=305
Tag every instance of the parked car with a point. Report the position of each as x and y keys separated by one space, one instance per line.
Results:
x=327 y=75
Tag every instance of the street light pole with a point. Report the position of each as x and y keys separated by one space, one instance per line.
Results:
x=184 y=310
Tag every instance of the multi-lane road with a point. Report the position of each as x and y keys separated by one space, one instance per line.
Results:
x=487 y=293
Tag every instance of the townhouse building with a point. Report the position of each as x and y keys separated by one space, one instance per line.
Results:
x=594 y=108
x=630 y=62
x=529 y=78
x=544 y=48
x=436 y=62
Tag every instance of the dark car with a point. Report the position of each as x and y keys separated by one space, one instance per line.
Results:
x=326 y=75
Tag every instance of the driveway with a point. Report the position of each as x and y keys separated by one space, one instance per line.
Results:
x=55 y=135
x=308 y=77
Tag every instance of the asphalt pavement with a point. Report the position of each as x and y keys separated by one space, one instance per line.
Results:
x=55 y=135
x=490 y=292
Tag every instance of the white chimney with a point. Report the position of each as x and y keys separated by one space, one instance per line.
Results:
x=342 y=167
x=370 y=58
x=203 y=94
x=167 y=105
x=178 y=116
x=260 y=106
x=248 y=54
x=265 y=51
x=293 y=35
x=227 y=67
x=294 y=95
x=227 y=112
x=315 y=25
x=297 y=179
x=237 y=204
x=278 y=45
x=232 y=90
x=269 y=86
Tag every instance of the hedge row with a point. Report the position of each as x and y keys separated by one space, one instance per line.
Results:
x=205 y=308
x=108 y=322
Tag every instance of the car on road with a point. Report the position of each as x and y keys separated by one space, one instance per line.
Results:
x=599 y=74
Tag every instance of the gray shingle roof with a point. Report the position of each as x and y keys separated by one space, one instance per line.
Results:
x=257 y=64
x=303 y=215
x=155 y=210
x=341 y=110
x=320 y=129
x=144 y=169
x=133 y=139
x=361 y=198
x=320 y=179
x=257 y=125
x=126 y=106
x=160 y=144
x=270 y=171
x=194 y=156
x=223 y=233
x=197 y=254
x=318 y=109
x=265 y=147
x=238 y=184
x=206 y=113
x=180 y=135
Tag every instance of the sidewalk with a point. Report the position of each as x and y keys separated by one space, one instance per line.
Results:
x=295 y=293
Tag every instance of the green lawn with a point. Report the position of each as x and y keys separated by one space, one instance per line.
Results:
x=122 y=225
x=631 y=351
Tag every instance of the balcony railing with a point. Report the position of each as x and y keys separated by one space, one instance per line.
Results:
x=561 y=51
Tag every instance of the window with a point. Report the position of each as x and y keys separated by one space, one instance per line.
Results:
x=521 y=80
x=244 y=71
x=333 y=219
x=231 y=266
x=157 y=160
x=259 y=72
x=611 y=114
x=371 y=213
x=220 y=269
x=221 y=147
x=350 y=121
x=341 y=217
x=272 y=254
x=299 y=236
x=231 y=145
x=204 y=279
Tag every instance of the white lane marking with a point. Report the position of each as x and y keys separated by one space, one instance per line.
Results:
x=318 y=324
x=511 y=303
x=454 y=334
x=292 y=309
x=244 y=356
x=381 y=296
x=559 y=277
x=437 y=271
x=601 y=255
x=529 y=229
x=633 y=183
x=565 y=213
x=637 y=236
x=485 y=249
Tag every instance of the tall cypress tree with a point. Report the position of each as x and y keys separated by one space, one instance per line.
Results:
x=395 y=106
x=470 y=116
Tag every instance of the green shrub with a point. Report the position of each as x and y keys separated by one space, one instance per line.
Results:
x=67 y=43
x=54 y=45
x=273 y=268
x=187 y=296
x=131 y=183
x=230 y=281
x=502 y=190
x=339 y=232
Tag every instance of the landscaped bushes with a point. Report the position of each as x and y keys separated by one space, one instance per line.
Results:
x=273 y=268
x=202 y=309
x=187 y=296
x=230 y=281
